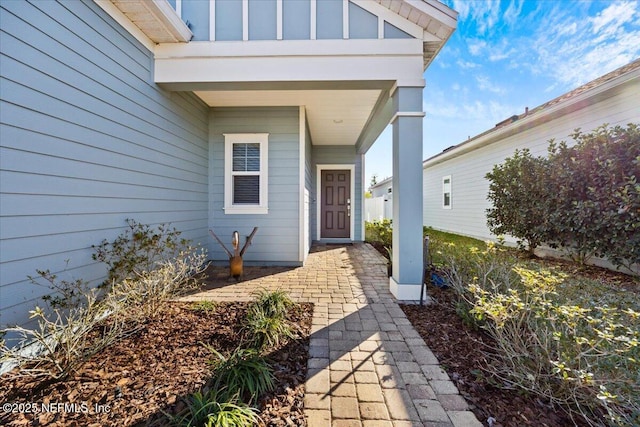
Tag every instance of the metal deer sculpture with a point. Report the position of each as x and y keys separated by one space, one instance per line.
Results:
x=235 y=258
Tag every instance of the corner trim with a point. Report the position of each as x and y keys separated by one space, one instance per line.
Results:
x=301 y=183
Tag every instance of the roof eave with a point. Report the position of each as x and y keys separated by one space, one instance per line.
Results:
x=155 y=18
x=534 y=119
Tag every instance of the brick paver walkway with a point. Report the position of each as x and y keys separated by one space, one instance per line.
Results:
x=368 y=366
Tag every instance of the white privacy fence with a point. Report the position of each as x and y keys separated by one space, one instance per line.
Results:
x=377 y=208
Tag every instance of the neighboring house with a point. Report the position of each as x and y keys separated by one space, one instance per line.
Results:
x=380 y=205
x=220 y=114
x=455 y=187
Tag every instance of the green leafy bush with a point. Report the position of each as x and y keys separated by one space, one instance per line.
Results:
x=265 y=331
x=595 y=196
x=139 y=249
x=519 y=194
x=379 y=231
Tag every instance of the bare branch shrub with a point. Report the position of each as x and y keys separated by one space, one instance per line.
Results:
x=585 y=359
x=146 y=294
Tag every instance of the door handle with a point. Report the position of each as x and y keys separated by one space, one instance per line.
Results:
x=348 y=207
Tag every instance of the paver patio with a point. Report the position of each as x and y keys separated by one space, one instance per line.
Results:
x=367 y=365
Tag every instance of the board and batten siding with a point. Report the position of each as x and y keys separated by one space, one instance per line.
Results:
x=292 y=20
x=341 y=155
x=87 y=140
x=469 y=187
x=277 y=240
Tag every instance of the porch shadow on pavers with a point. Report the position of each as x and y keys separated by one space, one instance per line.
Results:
x=367 y=364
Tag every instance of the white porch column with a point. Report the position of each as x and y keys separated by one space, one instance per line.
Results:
x=407 y=193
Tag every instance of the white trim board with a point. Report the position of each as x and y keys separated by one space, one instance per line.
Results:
x=319 y=168
x=301 y=183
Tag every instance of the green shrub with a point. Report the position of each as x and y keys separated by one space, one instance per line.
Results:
x=139 y=249
x=584 y=357
x=266 y=324
x=518 y=192
x=584 y=198
x=65 y=293
x=272 y=303
x=595 y=196
x=244 y=373
x=211 y=409
x=265 y=331
x=379 y=231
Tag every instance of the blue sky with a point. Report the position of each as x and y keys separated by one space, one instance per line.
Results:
x=508 y=55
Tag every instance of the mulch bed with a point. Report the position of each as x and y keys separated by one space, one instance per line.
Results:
x=142 y=377
x=460 y=351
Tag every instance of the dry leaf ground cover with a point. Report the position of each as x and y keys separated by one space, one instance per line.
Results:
x=145 y=376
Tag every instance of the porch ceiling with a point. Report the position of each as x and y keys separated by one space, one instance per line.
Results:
x=335 y=117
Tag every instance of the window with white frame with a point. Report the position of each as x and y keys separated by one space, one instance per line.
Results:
x=446 y=192
x=246 y=173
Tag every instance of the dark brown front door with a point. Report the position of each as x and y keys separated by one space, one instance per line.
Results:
x=335 y=210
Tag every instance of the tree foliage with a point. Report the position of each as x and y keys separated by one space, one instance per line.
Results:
x=584 y=197
x=518 y=192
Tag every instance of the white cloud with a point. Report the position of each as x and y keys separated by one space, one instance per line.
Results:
x=500 y=51
x=484 y=83
x=573 y=48
x=613 y=17
x=476 y=46
x=485 y=13
x=466 y=64
x=490 y=112
x=513 y=12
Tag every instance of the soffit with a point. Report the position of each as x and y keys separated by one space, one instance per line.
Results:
x=335 y=117
x=438 y=21
x=156 y=19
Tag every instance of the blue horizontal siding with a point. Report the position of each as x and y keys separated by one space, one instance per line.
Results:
x=278 y=237
x=86 y=141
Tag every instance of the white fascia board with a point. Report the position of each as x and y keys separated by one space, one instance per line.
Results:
x=553 y=112
x=169 y=17
x=391 y=17
x=437 y=10
x=310 y=60
x=280 y=48
x=126 y=23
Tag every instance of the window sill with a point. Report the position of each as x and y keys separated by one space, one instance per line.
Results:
x=246 y=210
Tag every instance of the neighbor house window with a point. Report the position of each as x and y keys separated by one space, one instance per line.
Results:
x=446 y=192
x=245 y=176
